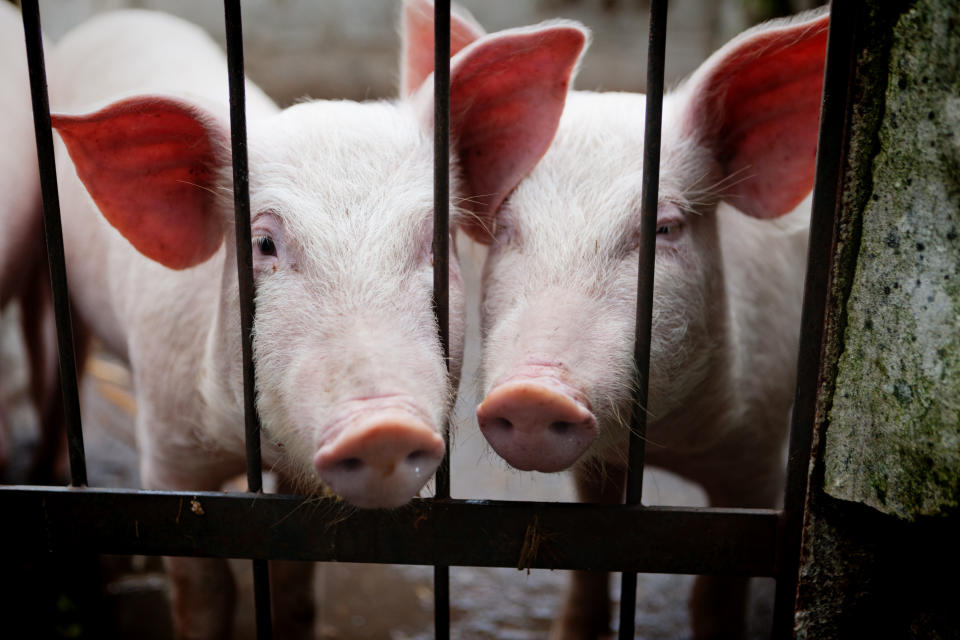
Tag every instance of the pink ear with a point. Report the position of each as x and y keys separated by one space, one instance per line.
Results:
x=417 y=62
x=507 y=93
x=756 y=103
x=150 y=166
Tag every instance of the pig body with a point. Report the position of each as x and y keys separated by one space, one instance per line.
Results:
x=352 y=386
x=559 y=303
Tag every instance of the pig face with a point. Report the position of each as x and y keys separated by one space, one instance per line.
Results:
x=346 y=343
x=560 y=280
x=567 y=323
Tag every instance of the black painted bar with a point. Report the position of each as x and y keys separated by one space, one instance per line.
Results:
x=241 y=201
x=831 y=152
x=441 y=202
x=427 y=531
x=644 y=320
x=54 y=239
x=441 y=257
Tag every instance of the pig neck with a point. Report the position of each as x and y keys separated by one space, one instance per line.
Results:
x=748 y=395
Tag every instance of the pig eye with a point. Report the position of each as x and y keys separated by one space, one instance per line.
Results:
x=669 y=221
x=265 y=245
x=670 y=229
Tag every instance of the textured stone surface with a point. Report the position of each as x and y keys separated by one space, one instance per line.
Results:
x=894 y=436
x=865 y=573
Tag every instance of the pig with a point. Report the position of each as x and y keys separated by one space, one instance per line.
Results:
x=560 y=284
x=19 y=177
x=23 y=274
x=352 y=385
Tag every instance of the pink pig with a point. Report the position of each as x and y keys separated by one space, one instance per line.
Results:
x=352 y=386
x=559 y=292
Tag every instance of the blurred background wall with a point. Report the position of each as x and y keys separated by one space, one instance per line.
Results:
x=348 y=48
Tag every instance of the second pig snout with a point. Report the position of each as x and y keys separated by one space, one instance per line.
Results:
x=537 y=422
x=383 y=452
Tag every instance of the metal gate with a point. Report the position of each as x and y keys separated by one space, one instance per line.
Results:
x=441 y=531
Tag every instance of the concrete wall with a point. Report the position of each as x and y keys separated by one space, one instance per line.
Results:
x=883 y=505
x=894 y=436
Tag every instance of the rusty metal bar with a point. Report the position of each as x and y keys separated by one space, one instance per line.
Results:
x=54 y=239
x=241 y=201
x=831 y=152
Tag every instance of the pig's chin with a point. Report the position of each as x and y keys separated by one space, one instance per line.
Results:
x=378 y=452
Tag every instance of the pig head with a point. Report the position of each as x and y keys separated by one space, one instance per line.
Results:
x=739 y=141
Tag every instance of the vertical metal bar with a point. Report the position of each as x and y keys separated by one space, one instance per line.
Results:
x=54 y=239
x=441 y=202
x=441 y=240
x=241 y=201
x=644 y=320
x=831 y=152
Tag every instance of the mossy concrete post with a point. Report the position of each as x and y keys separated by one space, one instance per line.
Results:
x=882 y=527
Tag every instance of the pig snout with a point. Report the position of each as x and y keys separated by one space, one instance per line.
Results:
x=382 y=454
x=537 y=422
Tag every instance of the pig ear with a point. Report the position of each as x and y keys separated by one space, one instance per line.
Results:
x=756 y=103
x=507 y=93
x=417 y=37
x=150 y=165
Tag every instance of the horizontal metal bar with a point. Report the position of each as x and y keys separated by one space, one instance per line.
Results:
x=445 y=532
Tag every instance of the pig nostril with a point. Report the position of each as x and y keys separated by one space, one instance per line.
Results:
x=561 y=428
x=417 y=456
x=350 y=464
x=500 y=424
